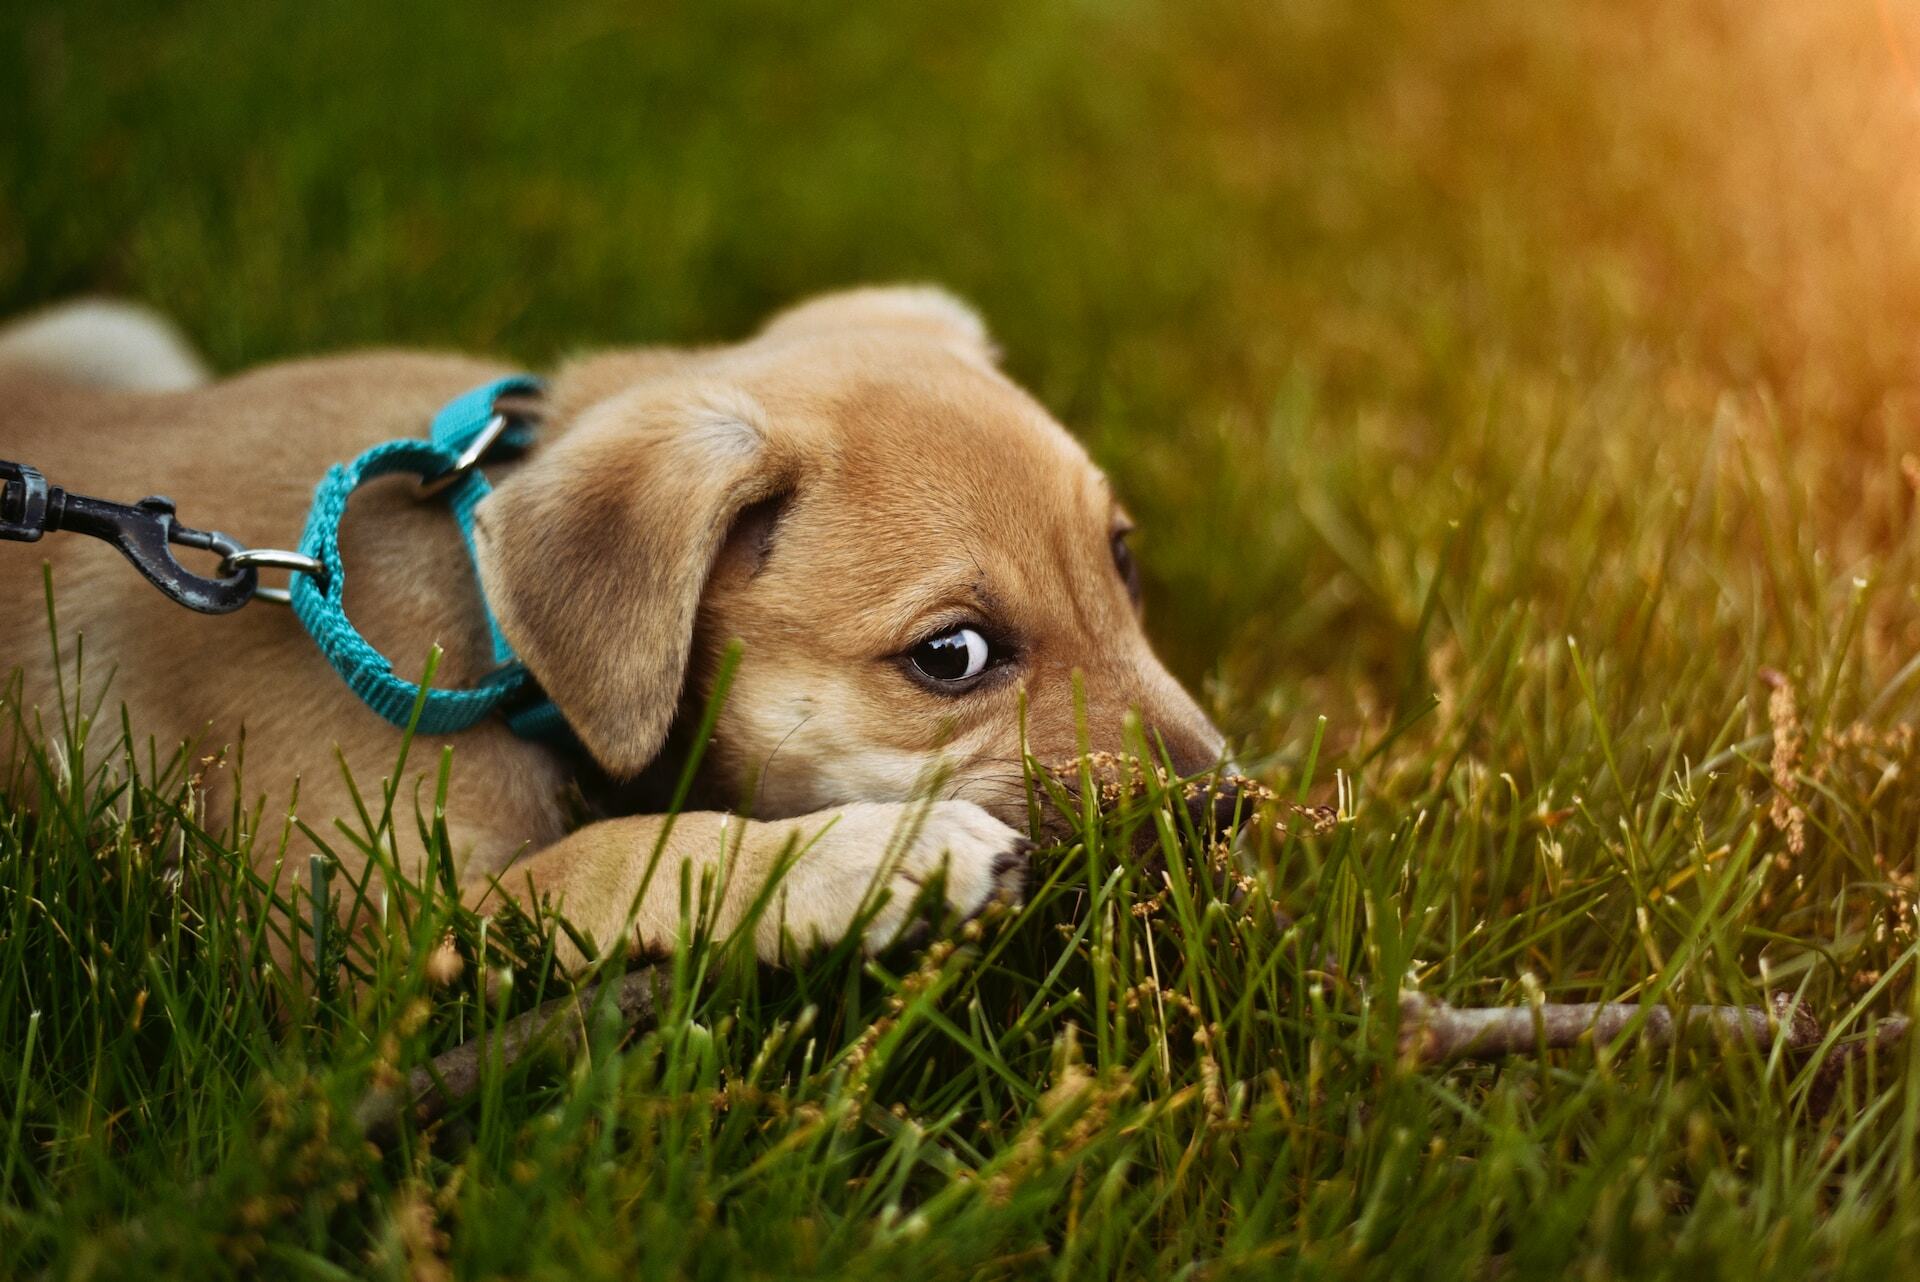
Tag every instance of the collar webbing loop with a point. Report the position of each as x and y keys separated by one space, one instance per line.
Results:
x=320 y=601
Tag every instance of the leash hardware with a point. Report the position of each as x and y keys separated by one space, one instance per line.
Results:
x=145 y=533
x=275 y=559
x=23 y=502
x=488 y=437
x=500 y=413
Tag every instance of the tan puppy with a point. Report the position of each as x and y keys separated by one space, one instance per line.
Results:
x=907 y=546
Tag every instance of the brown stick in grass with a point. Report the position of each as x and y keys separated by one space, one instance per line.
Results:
x=453 y=1075
x=1432 y=1032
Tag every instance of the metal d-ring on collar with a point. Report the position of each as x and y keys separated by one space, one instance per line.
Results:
x=274 y=559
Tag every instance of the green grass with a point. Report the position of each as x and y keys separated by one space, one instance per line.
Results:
x=1500 y=392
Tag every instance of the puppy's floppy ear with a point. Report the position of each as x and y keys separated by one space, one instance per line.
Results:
x=926 y=310
x=596 y=553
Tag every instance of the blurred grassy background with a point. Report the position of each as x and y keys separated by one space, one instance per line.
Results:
x=1510 y=384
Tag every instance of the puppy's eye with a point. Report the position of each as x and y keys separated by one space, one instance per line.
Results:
x=952 y=657
x=1123 y=562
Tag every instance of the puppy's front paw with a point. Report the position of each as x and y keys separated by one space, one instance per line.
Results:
x=982 y=860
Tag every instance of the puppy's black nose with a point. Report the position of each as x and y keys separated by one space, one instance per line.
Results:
x=1217 y=807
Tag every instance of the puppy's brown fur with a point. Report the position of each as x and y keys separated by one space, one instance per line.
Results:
x=854 y=479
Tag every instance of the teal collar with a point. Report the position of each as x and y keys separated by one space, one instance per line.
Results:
x=464 y=430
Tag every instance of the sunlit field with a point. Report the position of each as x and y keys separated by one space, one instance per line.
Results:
x=1520 y=407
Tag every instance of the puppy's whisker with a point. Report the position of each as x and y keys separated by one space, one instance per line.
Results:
x=766 y=765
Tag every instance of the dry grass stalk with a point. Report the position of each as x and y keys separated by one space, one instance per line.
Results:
x=1789 y=740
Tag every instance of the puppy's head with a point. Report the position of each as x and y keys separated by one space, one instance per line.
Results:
x=920 y=564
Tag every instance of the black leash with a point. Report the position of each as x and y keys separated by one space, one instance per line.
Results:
x=144 y=531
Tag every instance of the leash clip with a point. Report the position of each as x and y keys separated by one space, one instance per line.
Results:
x=23 y=503
x=143 y=531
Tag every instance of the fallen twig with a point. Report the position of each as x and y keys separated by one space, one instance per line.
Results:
x=455 y=1074
x=1432 y=1032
